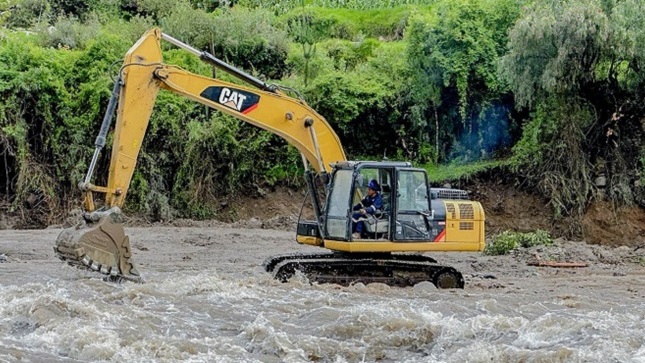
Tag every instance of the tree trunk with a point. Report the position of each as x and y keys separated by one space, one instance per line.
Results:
x=436 y=135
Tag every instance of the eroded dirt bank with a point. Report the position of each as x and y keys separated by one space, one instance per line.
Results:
x=507 y=206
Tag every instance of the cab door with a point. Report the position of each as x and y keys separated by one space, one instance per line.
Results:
x=338 y=208
x=377 y=225
x=412 y=204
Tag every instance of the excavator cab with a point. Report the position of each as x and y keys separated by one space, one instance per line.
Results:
x=413 y=216
x=405 y=214
x=339 y=222
x=375 y=225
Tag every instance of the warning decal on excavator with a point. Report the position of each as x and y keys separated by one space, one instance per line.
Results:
x=239 y=100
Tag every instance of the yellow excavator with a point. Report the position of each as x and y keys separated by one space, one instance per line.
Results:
x=413 y=217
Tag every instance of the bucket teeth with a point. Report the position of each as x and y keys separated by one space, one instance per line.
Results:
x=86 y=260
x=99 y=245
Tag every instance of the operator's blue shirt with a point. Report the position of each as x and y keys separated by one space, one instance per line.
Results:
x=371 y=204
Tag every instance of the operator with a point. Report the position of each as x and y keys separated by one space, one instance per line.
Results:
x=371 y=204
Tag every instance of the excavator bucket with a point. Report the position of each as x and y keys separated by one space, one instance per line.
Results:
x=100 y=245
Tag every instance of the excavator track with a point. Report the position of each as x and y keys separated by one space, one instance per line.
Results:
x=342 y=269
x=100 y=246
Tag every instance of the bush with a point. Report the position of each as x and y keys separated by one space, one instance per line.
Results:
x=155 y=9
x=352 y=24
x=507 y=241
x=359 y=109
x=577 y=64
x=245 y=38
x=75 y=8
x=347 y=55
x=223 y=156
x=32 y=92
x=27 y=13
x=69 y=33
x=552 y=155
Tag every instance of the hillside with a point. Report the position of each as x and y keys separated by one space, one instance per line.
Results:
x=534 y=93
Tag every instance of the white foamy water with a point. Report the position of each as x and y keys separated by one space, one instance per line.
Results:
x=209 y=317
x=231 y=311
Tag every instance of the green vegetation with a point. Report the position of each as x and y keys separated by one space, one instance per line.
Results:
x=640 y=260
x=577 y=65
x=455 y=171
x=555 y=87
x=507 y=241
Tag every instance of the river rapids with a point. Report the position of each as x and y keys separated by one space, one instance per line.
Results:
x=206 y=298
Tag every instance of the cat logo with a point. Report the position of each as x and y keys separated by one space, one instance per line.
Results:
x=232 y=99
x=238 y=100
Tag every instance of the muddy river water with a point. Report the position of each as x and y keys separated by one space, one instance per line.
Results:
x=206 y=299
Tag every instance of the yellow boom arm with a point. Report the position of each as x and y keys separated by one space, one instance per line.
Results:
x=143 y=74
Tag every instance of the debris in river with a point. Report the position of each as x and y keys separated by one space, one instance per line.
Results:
x=541 y=263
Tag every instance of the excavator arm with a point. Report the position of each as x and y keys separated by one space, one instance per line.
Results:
x=99 y=241
x=143 y=74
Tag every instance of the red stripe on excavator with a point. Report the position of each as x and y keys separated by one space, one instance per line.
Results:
x=250 y=109
x=441 y=237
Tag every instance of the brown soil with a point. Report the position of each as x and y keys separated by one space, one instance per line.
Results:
x=508 y=207
x=276 y=203
x=602 y=224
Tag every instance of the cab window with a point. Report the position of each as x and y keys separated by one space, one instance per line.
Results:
x=412 y=206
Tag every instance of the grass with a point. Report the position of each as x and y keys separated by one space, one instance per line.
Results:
x=448 y=172
x=356 y=23
x=507 y=241
x=640 y=260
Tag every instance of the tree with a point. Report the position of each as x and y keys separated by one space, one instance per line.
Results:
x=453 y=55
x=576 y=63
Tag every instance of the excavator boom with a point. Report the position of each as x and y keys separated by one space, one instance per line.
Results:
x=143 y=74
x=99 y=241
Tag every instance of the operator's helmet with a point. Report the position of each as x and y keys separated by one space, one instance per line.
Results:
x=374 y=185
